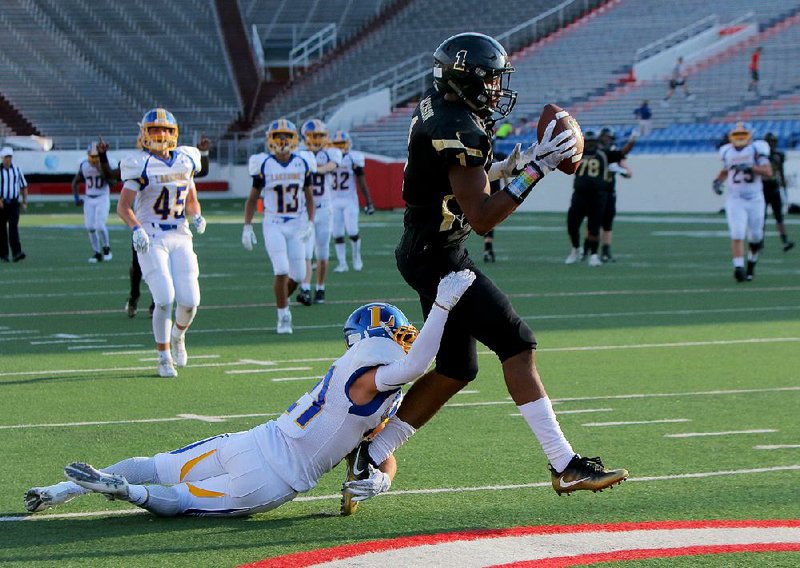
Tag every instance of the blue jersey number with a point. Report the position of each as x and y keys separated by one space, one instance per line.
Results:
x=309 y=413
x=162 y=205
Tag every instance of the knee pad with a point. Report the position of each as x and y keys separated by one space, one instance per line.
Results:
x=339 y=240
x=184 y=315
x=355 y=237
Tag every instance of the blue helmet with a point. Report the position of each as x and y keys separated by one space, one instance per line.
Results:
x=166 y=141
x=379 y=319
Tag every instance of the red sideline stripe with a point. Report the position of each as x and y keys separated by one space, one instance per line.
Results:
x=640 y=554
x=65 y=188
x=309 y=558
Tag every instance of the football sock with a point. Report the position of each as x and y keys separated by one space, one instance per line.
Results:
x=164 y=356
x=104 y=236
x=738 y=262
x=135 y=470
x=752 y=257
x=341 y=252
x=94 y=240
x=70 y=487
x=543 y=422
x=305 y=286
x=162 y=500
x=607 y=250
x=137 y=494
x=321 y=287
x=162 y=323
x=282 y=312
x=394 y=434
x=355 y=243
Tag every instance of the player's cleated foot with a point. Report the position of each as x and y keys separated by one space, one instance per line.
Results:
x=358 y=266
x=178 y=347
x=97 y=257
x=750 y=272
x=606 y=257
x=341 y=267
x=594 y=260
x=357 y=467
x=788 y=245
x=488 y=256
x=107 y=253
x=131 y=305
x=304 y=297
x=285 y=325
x=585 y=474
x=166 y=369
x=42 y=498
x=319 y=297
x=573 y=257
x=110 y=485
x=738 y=274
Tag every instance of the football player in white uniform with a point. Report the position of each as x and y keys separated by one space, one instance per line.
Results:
x=159 y=179
x=345 y=202
x=316 y=141
x=96 y=204
x=744 y=162
x=284 y=179
x=260 y=469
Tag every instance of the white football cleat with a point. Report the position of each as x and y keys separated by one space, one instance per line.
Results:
x=166 y=369
x=110 y=485
x=594 y=260
x=42 y=498
x=285 y=325
x=573 y=257
x=357 y=264
x=341 y=267
x=179 y=355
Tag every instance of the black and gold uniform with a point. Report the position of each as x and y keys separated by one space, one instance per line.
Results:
x=447 y=133
x=590 y=194
x=773 y=187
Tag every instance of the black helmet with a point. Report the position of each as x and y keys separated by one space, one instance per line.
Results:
x=608 y=131
x=470 y=65
x=589 y=136
x=770 y=137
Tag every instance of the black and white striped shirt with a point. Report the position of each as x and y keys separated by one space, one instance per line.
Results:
x=12 y=181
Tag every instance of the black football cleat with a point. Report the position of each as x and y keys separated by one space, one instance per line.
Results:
x=751 y=271
x=788 y=245
x=585 y=474
x=488 y=256
x=738 y=274
x=319 y=297
x=304 y=297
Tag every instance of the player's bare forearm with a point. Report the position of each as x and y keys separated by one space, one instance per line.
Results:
x=192 y=203
x=362 y=187
x=763 y=170
x=76 y=186
x=389 y=467
x=325 y=168
x=310 y=206
x=125 y=208
x=483 y=210
x=722 y=175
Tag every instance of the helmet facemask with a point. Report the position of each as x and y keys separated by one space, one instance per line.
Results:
x=282 y=142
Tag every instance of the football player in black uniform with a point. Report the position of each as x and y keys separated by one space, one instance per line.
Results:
x=616 y=161
x=773 y=186
x=446 y=190
x=588 y=202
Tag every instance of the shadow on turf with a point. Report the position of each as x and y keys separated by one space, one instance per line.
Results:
x=64 y=532
x=63 y=379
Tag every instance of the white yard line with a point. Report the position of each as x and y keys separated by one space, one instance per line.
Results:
x=337 y=496
x=778 y=447
x=578 y=411
x=154 y=359
x=177 y=418
x=635 y=422
x=729 y=433
x=286 y=379
x=83 y=347
x=270 y=370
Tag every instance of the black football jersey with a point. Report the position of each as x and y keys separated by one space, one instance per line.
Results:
x=442 y=134
x=592 y=175
x=776 y=159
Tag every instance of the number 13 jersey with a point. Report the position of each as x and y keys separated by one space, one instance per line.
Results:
x=282 y=185
x=162 y=184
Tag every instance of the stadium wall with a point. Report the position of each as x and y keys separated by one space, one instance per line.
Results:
x=679 y=183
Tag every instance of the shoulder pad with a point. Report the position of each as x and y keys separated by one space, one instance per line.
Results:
x=132 y=166
x=310 y=159
x=357 y=158
x=723 y=149
x=254 y=163
x=762 y=148
x=374 y=351
x=193 y=153
x=457 y=137
x=335 y=155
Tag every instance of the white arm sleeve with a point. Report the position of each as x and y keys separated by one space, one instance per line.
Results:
x=420 y=356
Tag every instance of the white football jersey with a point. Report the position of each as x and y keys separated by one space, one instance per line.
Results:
x=163 y=184
x=94 y=182
x=323 y=183
x=741 y=184
x=282 y=191
x=344 y=181
x=324 y=425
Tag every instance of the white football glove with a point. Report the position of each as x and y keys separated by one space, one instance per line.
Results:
x=362 y=489
x=505 y=168
x=452 y=287
x=248 y=237
x=551 y=151
x=199 y=223
x=307 y=232
x=141 y=242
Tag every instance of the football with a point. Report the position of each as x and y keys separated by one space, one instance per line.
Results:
x=564 y=122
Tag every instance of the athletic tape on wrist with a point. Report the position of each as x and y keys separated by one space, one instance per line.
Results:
x=520 y=186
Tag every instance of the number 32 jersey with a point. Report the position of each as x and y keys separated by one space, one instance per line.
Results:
x=324 y=425
x=163 y=184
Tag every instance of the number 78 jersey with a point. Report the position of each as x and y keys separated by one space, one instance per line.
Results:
x=324 y=425
x=163 y=184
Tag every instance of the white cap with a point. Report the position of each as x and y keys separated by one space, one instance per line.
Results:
x=6 y=151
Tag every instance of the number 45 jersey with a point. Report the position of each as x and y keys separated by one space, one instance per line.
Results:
x=163 y=185
x=324 y=425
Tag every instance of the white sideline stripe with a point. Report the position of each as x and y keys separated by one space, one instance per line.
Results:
x=70 y=340
x=177 y=418
x=663 y=313
x=667 y=394
x=132 y=352
x=679 y=344
x=18 y=331
x=80 y=347
x=730 y=433
x=777 y=447
x=154 y=359
x=635 y=422
x=578 y=411
x=274 y=370
x=337 y=496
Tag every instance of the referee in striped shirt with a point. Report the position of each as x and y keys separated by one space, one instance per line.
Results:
x=12 y=187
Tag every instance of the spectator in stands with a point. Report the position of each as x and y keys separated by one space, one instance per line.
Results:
x=644 y=114
x=504 y=130
x=678 y=79
x=12 y=187
x=775 y=186
x=753 y=67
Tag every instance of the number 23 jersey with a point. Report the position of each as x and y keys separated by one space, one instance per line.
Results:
x=324 y=425
x=163 y=184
